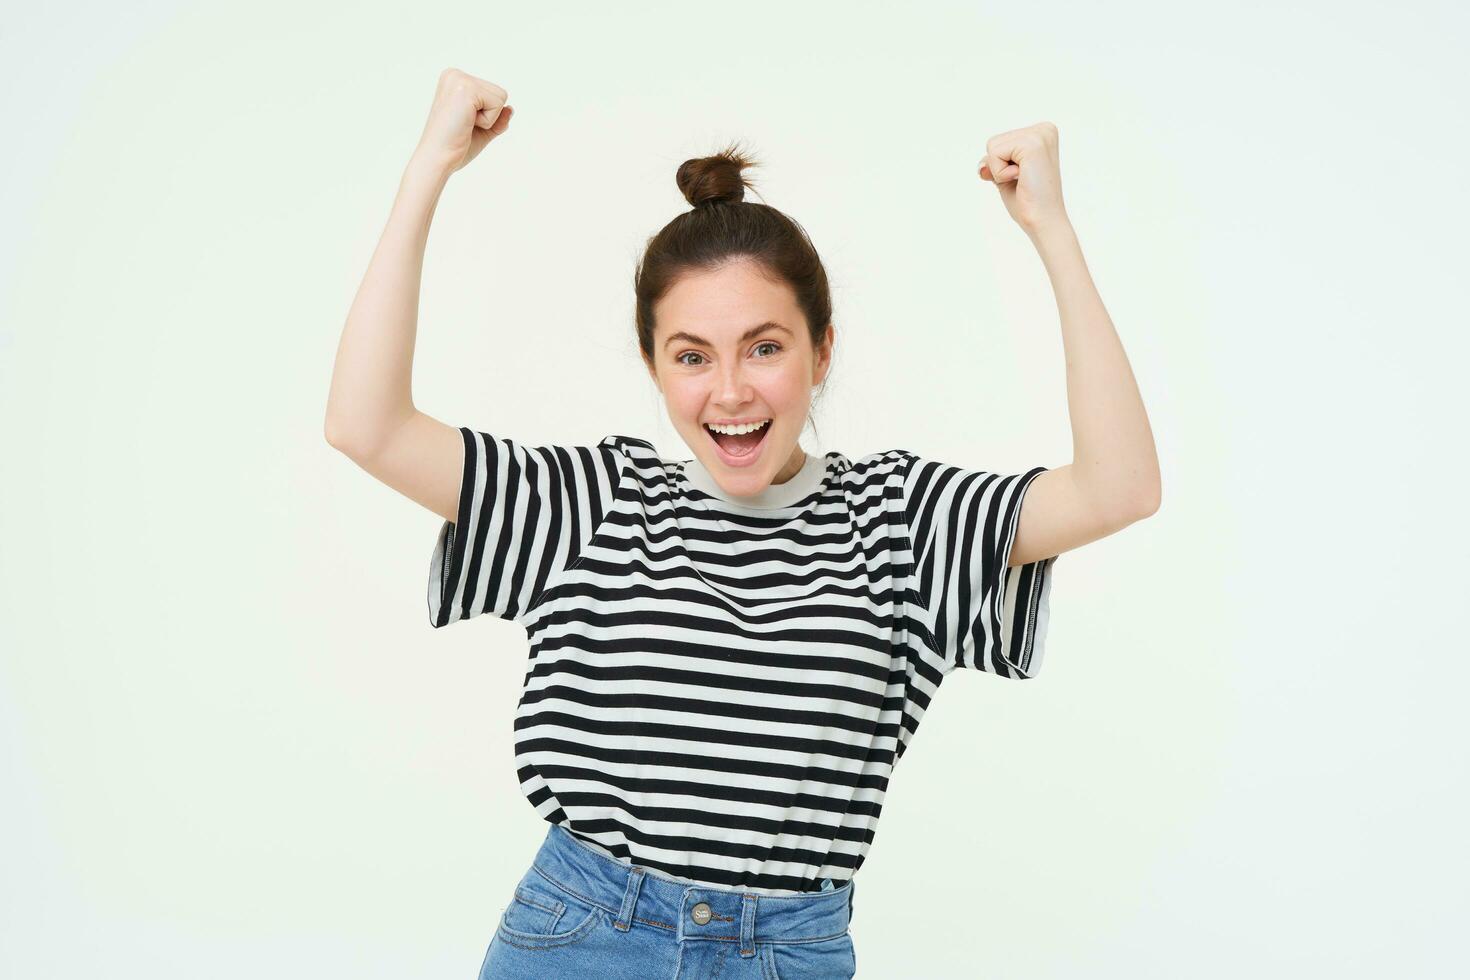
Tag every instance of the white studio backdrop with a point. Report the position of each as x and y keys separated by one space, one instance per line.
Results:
x=232 y=746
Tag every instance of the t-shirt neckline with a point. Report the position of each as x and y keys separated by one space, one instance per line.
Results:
x=806 y=481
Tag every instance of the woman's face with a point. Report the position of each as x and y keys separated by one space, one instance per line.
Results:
x=732 y=346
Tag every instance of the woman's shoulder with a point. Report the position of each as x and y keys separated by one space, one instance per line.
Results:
x=882 y=461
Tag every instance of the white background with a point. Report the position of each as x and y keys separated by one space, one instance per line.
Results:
x=232 y=746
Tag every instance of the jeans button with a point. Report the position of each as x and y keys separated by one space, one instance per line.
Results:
x=700 y=914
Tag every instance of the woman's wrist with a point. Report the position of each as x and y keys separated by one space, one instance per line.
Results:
x=426 y=167
x=1052 y=230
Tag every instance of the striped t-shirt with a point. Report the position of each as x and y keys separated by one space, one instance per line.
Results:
x=719 y=688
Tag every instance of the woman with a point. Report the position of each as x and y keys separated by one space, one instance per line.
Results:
x=728 y=653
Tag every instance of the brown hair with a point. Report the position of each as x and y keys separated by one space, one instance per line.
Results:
x=724 y=227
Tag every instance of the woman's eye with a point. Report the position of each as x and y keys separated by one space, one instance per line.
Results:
x=689 y=353
x=768 y=343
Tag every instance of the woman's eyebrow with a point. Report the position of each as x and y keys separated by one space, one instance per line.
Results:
x=692 y=339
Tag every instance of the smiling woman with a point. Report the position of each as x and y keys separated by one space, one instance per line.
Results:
x=731 y=653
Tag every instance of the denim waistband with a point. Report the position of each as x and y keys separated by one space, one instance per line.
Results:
x=632 y=893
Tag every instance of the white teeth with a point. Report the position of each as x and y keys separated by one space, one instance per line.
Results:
x=735 y=430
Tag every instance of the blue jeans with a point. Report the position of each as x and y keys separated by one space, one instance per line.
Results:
x=577 y=913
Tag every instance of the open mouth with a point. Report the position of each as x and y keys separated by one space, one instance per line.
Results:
x=741 y=444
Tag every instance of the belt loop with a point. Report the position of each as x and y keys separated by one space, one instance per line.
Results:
x=747 y=925
x=630 y=898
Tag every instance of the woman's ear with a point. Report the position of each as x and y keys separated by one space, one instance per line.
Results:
x=824 y=357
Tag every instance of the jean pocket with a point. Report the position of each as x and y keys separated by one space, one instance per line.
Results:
x=541 y=915
x=829 y=959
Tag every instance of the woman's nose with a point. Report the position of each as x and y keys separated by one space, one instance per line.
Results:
x=733 y=386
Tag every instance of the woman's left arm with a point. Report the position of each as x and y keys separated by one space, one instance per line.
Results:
x=1113 y=479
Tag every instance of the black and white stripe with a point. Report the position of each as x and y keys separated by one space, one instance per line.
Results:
x=717 y=691
x=963 y=523
x=524 y=516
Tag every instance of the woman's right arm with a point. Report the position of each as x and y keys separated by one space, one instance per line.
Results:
x=370 y=416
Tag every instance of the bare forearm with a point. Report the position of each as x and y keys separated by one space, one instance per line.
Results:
x=1114 y=456
x=371 y=391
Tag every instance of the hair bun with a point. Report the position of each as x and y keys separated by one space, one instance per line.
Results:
x=715 y=179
